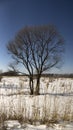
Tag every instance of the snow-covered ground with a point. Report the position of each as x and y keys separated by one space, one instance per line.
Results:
x=47 y=85
x=15 y=125
x=55 y=102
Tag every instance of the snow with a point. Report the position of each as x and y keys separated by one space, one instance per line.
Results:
x=47 y=85
x=56 y=97
x=15 y=125
x=11 y=124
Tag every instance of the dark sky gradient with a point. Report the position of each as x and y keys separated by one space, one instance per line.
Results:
x=15 y=14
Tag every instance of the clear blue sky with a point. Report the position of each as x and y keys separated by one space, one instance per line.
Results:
x=15 y=14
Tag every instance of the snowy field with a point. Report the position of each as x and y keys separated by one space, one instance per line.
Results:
x=54 y=104
x=50 y=85
x=15 y=125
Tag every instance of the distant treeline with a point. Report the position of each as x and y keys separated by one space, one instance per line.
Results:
x=58 y=75
x=12 y=73
x=9 y=73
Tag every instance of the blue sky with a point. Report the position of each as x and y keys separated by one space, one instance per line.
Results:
x=15 y=14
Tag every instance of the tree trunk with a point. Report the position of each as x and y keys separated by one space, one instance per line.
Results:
x=31 y=86
x=37 y=86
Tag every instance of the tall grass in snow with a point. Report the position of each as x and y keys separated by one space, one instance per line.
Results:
x=40 y=108
x=44 y=108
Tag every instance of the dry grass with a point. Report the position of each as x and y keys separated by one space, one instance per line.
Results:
x=36 y=112
x=42 y=108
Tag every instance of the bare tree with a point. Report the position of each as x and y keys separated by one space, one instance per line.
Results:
x=38 y=49
x=12 y=67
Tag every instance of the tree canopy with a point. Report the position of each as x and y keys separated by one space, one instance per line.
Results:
x=38 y=49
